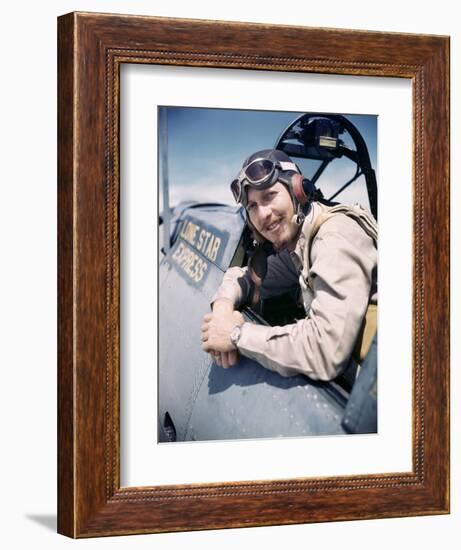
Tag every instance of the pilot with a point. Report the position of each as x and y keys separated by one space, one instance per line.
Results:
x=328 y=253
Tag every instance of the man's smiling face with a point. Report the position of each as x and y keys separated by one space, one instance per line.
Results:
x=271 y=212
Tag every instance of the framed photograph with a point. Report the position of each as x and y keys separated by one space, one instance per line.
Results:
x=204 y=233
x=175 y=136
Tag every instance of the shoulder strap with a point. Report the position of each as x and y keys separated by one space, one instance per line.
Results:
x=356 y=212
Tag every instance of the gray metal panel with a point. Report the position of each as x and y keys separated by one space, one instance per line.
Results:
x=182 y=363
x=248 y=401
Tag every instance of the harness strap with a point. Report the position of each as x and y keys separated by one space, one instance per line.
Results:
x=357 y=213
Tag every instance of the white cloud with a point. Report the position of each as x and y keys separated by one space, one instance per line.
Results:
x=212 y=187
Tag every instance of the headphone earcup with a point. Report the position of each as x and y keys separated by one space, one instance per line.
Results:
x=297 y=186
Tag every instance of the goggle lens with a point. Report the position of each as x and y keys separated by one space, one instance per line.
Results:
x=258 y=171
x=236 y=189
x=259 y=174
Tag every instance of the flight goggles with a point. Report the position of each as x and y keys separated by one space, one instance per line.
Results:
x=259 y=174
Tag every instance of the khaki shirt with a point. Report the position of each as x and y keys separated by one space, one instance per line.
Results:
x=338 y=282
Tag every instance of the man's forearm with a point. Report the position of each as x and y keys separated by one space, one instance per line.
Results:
x=223 y=305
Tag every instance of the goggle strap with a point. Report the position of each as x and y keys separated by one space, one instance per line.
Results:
x=285 y=166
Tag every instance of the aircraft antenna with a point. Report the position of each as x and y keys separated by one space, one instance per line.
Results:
x=166 y=215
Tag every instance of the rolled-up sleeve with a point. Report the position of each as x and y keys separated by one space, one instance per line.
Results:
x=344 y=260
x=235 y=286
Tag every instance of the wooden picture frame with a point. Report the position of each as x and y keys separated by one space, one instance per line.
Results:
x=92 y=48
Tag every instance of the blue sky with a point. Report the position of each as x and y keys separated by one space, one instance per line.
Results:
x=206 y=148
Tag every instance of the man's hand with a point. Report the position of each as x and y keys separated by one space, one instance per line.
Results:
x=224 y=308
x=225 y=359
x=216 y=331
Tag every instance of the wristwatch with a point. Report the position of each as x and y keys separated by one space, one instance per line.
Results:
x=235 y=334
